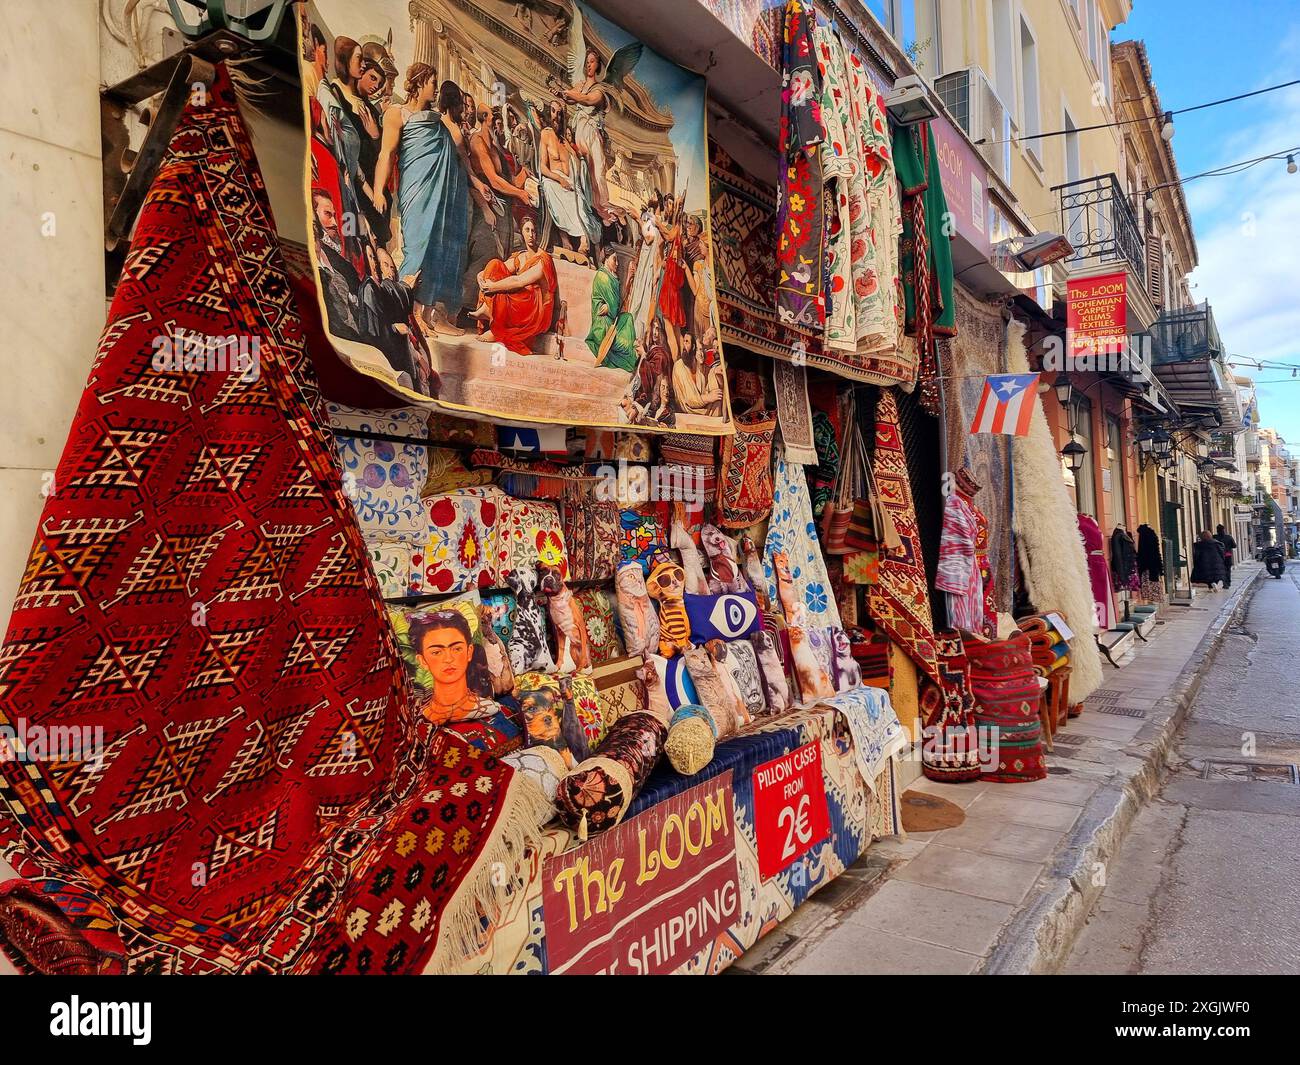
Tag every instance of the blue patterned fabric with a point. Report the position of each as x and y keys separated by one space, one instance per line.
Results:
x=793 y=530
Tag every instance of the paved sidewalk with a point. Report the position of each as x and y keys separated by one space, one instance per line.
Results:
x=1008 y=890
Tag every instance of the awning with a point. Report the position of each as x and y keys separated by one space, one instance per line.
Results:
x=1198 y=385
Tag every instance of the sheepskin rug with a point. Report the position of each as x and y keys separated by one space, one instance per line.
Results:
x=1047 y=531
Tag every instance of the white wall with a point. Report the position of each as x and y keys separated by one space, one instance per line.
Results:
x=52 y=299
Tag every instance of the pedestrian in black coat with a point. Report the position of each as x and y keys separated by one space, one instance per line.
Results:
x=1229 y=545
x=1207 y=561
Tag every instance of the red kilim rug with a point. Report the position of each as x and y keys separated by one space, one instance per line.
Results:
x=198 y=610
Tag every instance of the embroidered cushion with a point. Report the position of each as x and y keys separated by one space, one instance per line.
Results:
x=619 y=700
x=391 y=560
x=602 y=634
x=447 y=472
x=383 y=479
x=529 y=531
x=586 y=703
x=460 y=541
x=591 y=538
x=729 y=616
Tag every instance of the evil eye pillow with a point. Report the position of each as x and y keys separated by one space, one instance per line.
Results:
x=730 y=616
x=668 y=685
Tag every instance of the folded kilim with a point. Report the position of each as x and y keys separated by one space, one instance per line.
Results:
x=949 y=742
x=899 y=602
x=197 y=608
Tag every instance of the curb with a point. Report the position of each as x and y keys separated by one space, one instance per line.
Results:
x=1039 y=936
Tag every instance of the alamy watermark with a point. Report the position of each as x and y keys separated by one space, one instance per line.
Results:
x=1118 y=354
x=23 y=741
x=184 y=352
x=628 y=484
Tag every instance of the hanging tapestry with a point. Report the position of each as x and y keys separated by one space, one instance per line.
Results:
x=926 y=264
x=842 y=174
x=510 y=212
x=745 y=489
x=877 y=290
x=794 y=412
x=1049 y=549
x=793 y=532
x=743 y=215
x=974 y=353
x=198 y=607
x=799 y=208
x=899 y=601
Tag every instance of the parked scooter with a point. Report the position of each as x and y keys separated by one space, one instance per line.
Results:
x=1274 y=561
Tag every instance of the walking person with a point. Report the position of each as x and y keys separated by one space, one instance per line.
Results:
x=1229 y=545
x=1207 y=561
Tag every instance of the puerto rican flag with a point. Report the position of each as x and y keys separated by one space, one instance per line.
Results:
x=1007 y=404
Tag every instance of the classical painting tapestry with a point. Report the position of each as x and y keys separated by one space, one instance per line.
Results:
x=509 y=205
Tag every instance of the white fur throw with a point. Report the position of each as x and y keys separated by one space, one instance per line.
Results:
x=1047 y=532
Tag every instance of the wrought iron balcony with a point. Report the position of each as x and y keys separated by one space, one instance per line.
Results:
x=1186 y=334
x=1096 y=218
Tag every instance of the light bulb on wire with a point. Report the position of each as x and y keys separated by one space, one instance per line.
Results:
x=1167 y=129
x=1291 y=168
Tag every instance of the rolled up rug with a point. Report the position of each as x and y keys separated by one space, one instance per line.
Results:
x=597 y=793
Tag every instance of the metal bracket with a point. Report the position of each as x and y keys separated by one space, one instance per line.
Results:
x=260 y=27
x=177 y=77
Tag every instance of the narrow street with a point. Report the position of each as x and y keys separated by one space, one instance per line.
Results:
x=1209 y=879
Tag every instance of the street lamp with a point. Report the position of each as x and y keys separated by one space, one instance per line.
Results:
x=1074 y=454
x=1162 y=445
x=1064 y=390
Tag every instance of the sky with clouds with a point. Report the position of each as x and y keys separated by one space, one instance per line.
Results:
x=1247 y=225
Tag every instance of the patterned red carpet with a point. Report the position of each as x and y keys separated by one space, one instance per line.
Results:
x=199 y=593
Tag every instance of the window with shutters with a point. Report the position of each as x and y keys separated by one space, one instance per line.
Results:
x=1155 y=269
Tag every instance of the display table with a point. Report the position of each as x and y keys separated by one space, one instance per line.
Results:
x=702 y=867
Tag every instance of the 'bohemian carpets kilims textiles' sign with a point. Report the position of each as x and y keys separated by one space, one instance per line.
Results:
x=510 y=212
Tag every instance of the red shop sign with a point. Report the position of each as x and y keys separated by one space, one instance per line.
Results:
x=649 y=894
x=1096 y=315
x=790 y=813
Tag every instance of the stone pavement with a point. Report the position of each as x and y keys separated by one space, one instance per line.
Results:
x=1209 y=879
x=1009 y=889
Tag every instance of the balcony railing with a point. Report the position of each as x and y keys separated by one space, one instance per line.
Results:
x=1186 y=334
x=1097 y=219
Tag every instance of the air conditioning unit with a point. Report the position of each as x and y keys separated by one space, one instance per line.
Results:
x=976 y=106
